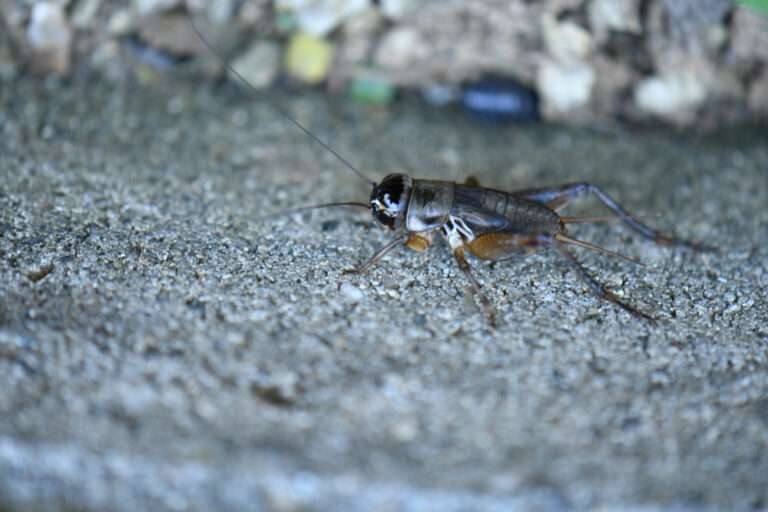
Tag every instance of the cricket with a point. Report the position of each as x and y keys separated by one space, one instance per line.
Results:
x=488 y=224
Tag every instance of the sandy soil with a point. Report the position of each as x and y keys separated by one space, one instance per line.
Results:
x=161 y=348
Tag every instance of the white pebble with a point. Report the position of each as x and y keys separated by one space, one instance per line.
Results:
x=351 y=292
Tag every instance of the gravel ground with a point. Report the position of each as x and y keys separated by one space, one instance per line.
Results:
x=161 y=348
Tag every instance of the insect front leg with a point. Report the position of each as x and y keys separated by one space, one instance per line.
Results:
x=420 y=242
x=400 y=240
x=413 y=241
x=558 y=197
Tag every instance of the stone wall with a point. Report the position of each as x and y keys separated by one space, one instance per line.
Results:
x=679 y=61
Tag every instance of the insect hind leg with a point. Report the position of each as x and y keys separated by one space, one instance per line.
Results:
x=558 y=197
x=599 y=289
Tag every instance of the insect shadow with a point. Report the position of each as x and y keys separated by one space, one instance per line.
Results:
x=489 y=224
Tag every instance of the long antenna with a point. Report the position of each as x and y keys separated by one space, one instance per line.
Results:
x=303 y=209
x=269 y=100
x=576 y=220
x=561 y=237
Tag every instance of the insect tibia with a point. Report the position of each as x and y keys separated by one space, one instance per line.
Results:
x=601 y=290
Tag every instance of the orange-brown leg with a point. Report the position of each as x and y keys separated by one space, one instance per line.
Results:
x=497 y=247
x=418 y=243
x=458 y=253
x=501 y=246
x=506 y=246
x=415 y=242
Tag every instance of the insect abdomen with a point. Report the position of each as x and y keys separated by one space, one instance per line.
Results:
x=526 y=216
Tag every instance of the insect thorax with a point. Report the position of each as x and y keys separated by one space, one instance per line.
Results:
x=430 y=205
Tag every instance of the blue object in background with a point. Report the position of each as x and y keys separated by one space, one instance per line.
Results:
x=152 y=57
x=501 y=101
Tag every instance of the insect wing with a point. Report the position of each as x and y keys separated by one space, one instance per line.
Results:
x=479 y=209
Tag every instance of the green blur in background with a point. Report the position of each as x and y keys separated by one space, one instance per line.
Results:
x=760 y=6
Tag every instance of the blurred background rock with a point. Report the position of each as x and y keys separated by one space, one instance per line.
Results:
x=683 y=62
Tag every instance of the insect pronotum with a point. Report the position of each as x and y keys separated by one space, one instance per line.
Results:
x=489 y=224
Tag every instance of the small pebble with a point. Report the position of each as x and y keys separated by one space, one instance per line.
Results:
x=152 y=57
x=395 y=9
x=259 y=64
x=371 y=90
x=351 y=292
x=49 y=35
x=405 y=430
x=120 y=22
x=329 y=225
x=308 y=58
x=284 y=22
x=439 y=94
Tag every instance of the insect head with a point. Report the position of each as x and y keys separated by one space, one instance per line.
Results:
x=389 y=201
